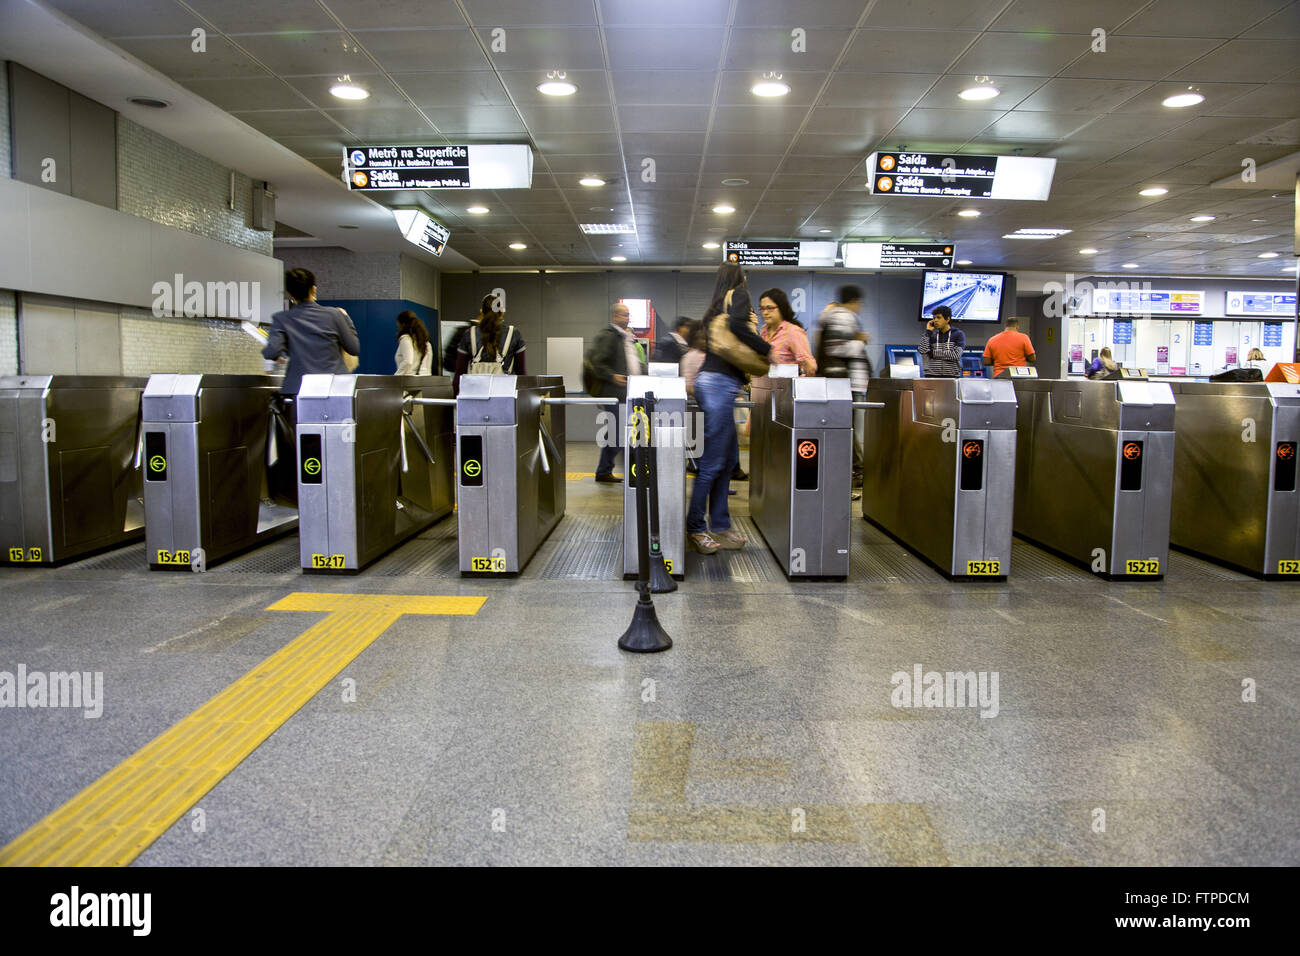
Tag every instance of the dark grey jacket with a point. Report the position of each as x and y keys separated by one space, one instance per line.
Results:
x=315 y=336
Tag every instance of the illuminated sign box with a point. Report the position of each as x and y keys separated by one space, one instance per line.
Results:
x=1279 y=304
x=425 y=232
x=780 y=252
x=898 y=255
x=1147 y=302
x=492 y=166
x=957 y=176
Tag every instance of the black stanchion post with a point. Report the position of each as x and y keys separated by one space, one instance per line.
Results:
x=644 y=635
x=661 y=582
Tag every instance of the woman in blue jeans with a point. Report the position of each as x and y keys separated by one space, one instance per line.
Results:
x=716 y=388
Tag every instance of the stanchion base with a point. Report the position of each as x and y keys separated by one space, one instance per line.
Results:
x=661 y=582
x=645 y=635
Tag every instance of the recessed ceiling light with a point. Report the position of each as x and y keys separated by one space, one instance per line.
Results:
x=151 y=102
x=556 y=84
x=518 y=245
x=1037 y=233
x=1153 y=191
x=968 y=213
x=981 y=91
x=1289 y=268
x=478 y=210
x=1202 y=219
x=722 y=209
x=1190 y=98
x=618 y=258
x=823 y=230
x=591 y=181
x=735 y=182
x=1088 y=252
x=770 y=85
x=1130 y=265
x=711 y=245
x=345 y=89
x=1267 y=255
x=963 y=262
x=1259 y=220
x=607 y=228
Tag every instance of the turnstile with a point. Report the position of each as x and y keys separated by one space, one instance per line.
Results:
x=510 y=460
x=669 y=433
x=1235 y=497
x=373 y=469
x=218 y=474
x=800 y=470
x=69 y=466
x=939 y=465
x=1094 y=468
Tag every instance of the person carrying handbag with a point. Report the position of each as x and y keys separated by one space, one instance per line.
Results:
x=735 y=351
x=490 y=348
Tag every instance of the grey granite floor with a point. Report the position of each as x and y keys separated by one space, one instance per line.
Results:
x=768 y=734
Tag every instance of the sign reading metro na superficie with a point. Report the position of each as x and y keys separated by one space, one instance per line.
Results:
x=477 y=166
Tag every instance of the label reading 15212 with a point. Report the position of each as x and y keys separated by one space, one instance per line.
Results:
x=487 y=564
x=327 y=562
x=1147 y=566
x=1288 y=567
x=984 y=568
x=174 y=557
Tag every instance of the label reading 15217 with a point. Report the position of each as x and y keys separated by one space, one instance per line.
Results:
x=984 y=568
x=487 y=564
x=174 y=557
x=327 y=562
x=1148 y=566
x=1288 y=567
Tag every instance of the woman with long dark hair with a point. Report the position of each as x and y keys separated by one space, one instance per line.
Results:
x=492 y=346
x=716 y=388
x=414 y=350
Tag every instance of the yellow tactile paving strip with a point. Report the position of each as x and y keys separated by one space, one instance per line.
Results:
x=118 y=816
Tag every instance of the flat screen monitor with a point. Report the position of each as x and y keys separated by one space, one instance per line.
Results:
x=972 y=296
x=641 y=314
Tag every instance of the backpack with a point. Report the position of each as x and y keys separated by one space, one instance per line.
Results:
x=497 y=367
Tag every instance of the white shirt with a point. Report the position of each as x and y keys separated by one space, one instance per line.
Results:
x=630 y=351
x=406 y=358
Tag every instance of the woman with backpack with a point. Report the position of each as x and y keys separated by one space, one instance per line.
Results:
x=491 y=347
x=735 y=350
x=414 y=350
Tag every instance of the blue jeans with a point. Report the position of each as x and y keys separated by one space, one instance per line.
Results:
x=715 y=393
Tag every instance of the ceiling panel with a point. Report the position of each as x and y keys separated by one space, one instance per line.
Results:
x=1052 y=16
x=657 y=48
x=1201 y=18
x=1021 y=54
x=767 y=48
x=1139 y=58
x=395 y=14
x=176 y=59
x=925 y=14
x=256 y=16
x=905 y=51
x=1242 y=61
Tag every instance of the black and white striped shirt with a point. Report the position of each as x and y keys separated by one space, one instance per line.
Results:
x=941 y=352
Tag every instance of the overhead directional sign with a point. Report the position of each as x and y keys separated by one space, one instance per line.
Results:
x=957 y=176
x=780 y=252
x=491 y=166
x=425 y=232
x=1147 y=302
x=1259 y=303
x=898 y=255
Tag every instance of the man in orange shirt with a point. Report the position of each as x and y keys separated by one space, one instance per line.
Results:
x=1009 y=347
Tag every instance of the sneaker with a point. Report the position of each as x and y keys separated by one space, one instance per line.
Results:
x=731 y=539
x=610 y=479
x=739 y=474
x=703 y=542
x=856 y=496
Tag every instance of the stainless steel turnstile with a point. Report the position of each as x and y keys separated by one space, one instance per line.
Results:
x=69 y=466
x=1235 y=497
x=669 y=431
x=939 y=465
x=800 y=470
x=215 y=483
x=373 y=469
x=510 y=449
x=1094 y=468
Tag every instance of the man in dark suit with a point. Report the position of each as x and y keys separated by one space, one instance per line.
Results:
x=614 y=356
x=672 y=348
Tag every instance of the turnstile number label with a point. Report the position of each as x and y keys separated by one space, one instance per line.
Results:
x=1142 y=567
x=333 y=562
x=984 y=568
x=155 y=456
x=1288 y=567
x=471 y=463
x=17 y=555
x=1130 y=469
x=309 y=455
x=806 y=458
x=487 y=564
x=972 y=467
x=30 y=555
x=1284 y=467
x=668 y=565
x=174 y=557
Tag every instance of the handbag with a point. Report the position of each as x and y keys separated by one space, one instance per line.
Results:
x=478 y=367
x=724 y=343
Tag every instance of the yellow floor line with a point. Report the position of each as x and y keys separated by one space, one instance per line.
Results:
x=578 y=475
x=116 y=818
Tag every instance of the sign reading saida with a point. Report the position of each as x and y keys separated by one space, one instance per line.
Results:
x=476 y=166
x=957 y=176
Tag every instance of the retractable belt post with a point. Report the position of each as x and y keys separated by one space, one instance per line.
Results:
x=644 y=635
x=661 y=582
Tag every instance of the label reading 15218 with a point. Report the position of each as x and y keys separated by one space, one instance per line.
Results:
x=1147 y=566
x=174 y=557
x=984 y=568
x=487 y=564
x=1288 y=567
x=327 y=562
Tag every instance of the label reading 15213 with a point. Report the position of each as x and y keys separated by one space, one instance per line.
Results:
x=1147 y=566
x=1288 y=567
x=984 y=568
x=487 y=564
x=174 y=557
x=328 y=562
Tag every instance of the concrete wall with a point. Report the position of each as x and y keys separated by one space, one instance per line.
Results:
x=419 y=281
x=8 y=333
x=152 y=344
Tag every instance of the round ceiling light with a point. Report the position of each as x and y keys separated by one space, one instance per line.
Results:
x=618 y=258
x=968 y=213
x=477 y=210
x=770 y=85
x=1202 y=219
x=1088 y=252
x=345 y=89
x=963 y=262
x=151 y=102
x=592 y=181
x=722 y=209
x=1267 y=255
x=1130 y=265
x=518 y=245
x=1181 y=100
x=823 y=230
x=712 y=245
x=556 y=84
x=1153 y=191
x=735 y=182
x=982 y=90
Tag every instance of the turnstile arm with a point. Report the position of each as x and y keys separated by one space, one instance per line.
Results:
x=868 y=404
x=419 y=440
x=582 y=400
x=431 y=401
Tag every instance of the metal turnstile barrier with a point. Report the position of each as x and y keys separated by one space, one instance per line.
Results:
x=1094 y=469
x=69 y=466
x=510 y=461
x=669 y=431
x=800 y=471
x=1235 y=499
x=939 y=466
x=218 y=467
x=373 y=469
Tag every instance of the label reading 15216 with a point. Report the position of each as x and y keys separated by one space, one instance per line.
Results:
x=1147 y=566
x=984 y=568
x=487 y=564
x=327 y=562
x=1288 y=567
x=174 y=557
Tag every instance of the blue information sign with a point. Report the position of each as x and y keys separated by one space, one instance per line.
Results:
x=1123 y=334
x=1202 y=333
x=1272 y=334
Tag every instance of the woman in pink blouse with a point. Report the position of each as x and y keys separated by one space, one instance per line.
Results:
x=787 y=335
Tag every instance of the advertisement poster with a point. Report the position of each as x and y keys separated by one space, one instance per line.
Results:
x=1076 y=353
x=1230 y=355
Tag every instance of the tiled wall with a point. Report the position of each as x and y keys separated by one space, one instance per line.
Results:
x=344 y=274
x=6 y=168
x=166 y=183
x=8 y=333
x=419 y=281
x=185 y=345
